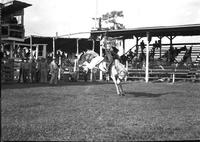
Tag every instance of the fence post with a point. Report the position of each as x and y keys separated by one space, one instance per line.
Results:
x=147 y=59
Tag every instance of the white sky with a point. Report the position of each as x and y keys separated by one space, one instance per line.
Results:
x=46 y=17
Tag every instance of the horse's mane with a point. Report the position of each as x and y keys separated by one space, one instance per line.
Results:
x=81 y=57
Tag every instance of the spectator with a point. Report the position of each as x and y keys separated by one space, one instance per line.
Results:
x=26 y=71
x=54 y=72
x=13 y=20
x=33 y=71
x=1 y=53
x=38 y=70
x=44 y=70
x=142 y=45
x=155 y=45
x=21 y=72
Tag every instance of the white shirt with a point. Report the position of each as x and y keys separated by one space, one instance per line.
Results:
x=53 y=66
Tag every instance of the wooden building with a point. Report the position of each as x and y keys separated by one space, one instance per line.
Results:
x=12 y=31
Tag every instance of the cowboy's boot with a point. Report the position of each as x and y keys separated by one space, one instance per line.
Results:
x=108 y=68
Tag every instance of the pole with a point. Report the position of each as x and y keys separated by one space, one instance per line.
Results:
x=160 y=45
x=37 y=50
x=1 y=5
x=137 y=40
x=91 y=73
x=77 y=52
x=11 y=49
x=76 y=60
x=77 y=47
x=96 y=14
x=59 y=71
x=14 y=44
x=147 y=60
x=44 y=52
x=93 y=44
x=123 y=46
x=59 y=59
x=173 y=77
x=101 y=54
x=31 y=47
x=53 y=47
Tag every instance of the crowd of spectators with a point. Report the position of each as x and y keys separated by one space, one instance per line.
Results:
x=38 y=71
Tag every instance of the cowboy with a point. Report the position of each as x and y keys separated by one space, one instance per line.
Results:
x=110 y=50
x=111 y=55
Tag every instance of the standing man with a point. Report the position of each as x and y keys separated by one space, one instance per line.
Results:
x=54 y=72
x=44 y=69
x=38 y=70
x=142 y=46
x=26 y=71
x=21 y=71
x=33 y=71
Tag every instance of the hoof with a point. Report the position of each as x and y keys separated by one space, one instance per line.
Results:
x=121 y=94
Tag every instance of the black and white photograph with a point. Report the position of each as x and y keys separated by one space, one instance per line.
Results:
x=100 y=70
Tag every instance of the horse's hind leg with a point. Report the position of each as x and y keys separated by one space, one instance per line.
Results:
x=122 y=91
x=116 y=86
x=120 y=87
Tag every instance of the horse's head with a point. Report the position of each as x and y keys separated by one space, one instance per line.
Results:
x=80 y=58
x=82 y=62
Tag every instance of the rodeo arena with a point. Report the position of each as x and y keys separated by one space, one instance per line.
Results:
x=95 y=89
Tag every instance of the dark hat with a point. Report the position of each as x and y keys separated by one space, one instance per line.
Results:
x=115 y=49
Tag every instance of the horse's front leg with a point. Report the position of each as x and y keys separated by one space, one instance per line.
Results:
x=115 y=82
x=122 y=91
x=120 y=87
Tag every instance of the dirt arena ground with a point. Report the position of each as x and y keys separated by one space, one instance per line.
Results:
x=94 y=112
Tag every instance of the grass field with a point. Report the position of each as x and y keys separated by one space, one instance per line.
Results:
x=93 y=112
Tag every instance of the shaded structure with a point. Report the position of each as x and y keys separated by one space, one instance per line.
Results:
x=149 y=32
x=68 y=45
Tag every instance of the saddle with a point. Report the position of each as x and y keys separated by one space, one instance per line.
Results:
x=111 y=63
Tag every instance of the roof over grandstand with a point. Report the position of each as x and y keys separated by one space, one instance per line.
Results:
x=13 y=6
x=178 y=30
x=68 y=45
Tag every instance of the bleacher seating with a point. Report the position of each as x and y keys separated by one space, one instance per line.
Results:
x=180 y=72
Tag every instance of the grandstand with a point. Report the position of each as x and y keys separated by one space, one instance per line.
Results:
x=167 y=72
x=175 y=70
